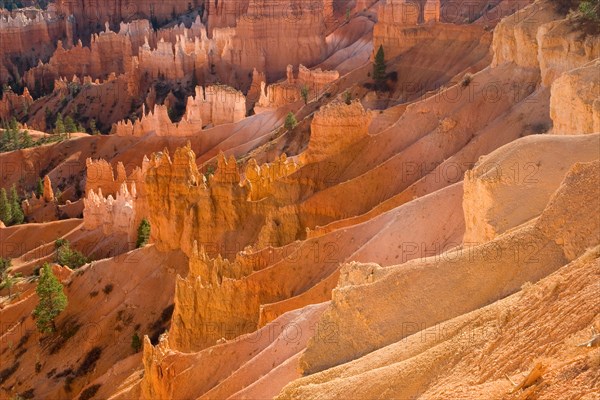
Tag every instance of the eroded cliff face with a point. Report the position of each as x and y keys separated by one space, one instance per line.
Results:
x=539 y=38
x=186 y=206
x=89 y=15
x=270 y=36
x=388 y=304
x=495 y=187
x=346 y=258
x=28 y=36
x=575 y=101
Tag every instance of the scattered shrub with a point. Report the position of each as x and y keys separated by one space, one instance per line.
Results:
x=90 y=392
x=590 y=10
x=347 y=97
x=290 y=121
x=7 y=372
x=108 y=288
x=136 y=342
x=28 y=394
x=89 y=361
x=143 y=233
x=466 y=80
x=304 y=94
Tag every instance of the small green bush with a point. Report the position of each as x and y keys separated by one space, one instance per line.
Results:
x=136 y=342
x=65 y=255
x=143 y=234
x=290 y=121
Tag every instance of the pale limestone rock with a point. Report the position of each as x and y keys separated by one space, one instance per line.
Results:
x=527 y=168
x=575 y=101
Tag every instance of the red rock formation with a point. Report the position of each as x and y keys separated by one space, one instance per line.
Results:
x=109 y=52
x=100 y=176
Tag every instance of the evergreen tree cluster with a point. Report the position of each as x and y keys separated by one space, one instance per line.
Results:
x=13 y=138
x=68 y=125
x=11 y=212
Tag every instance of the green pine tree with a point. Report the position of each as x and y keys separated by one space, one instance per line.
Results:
x=26 y=140
x=379 y=67
x=52 y=300
x=70 y=126
x=143 y=233
x=136 y=342
x=8 y=282
x=59 y=125
x=39 y=188
x=5 y=264
x=15 y=203
x=5 y=208
x=94 y=128
x=13 y=124
x=304 y=93
x=290 y=121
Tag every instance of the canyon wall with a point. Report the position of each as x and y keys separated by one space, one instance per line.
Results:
x=273 y=35
x=100 y=176
x=88 y=15
x=398 y=37
x=24 y=38
x=495 y=187
x=539 y=38
x=109 y=53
